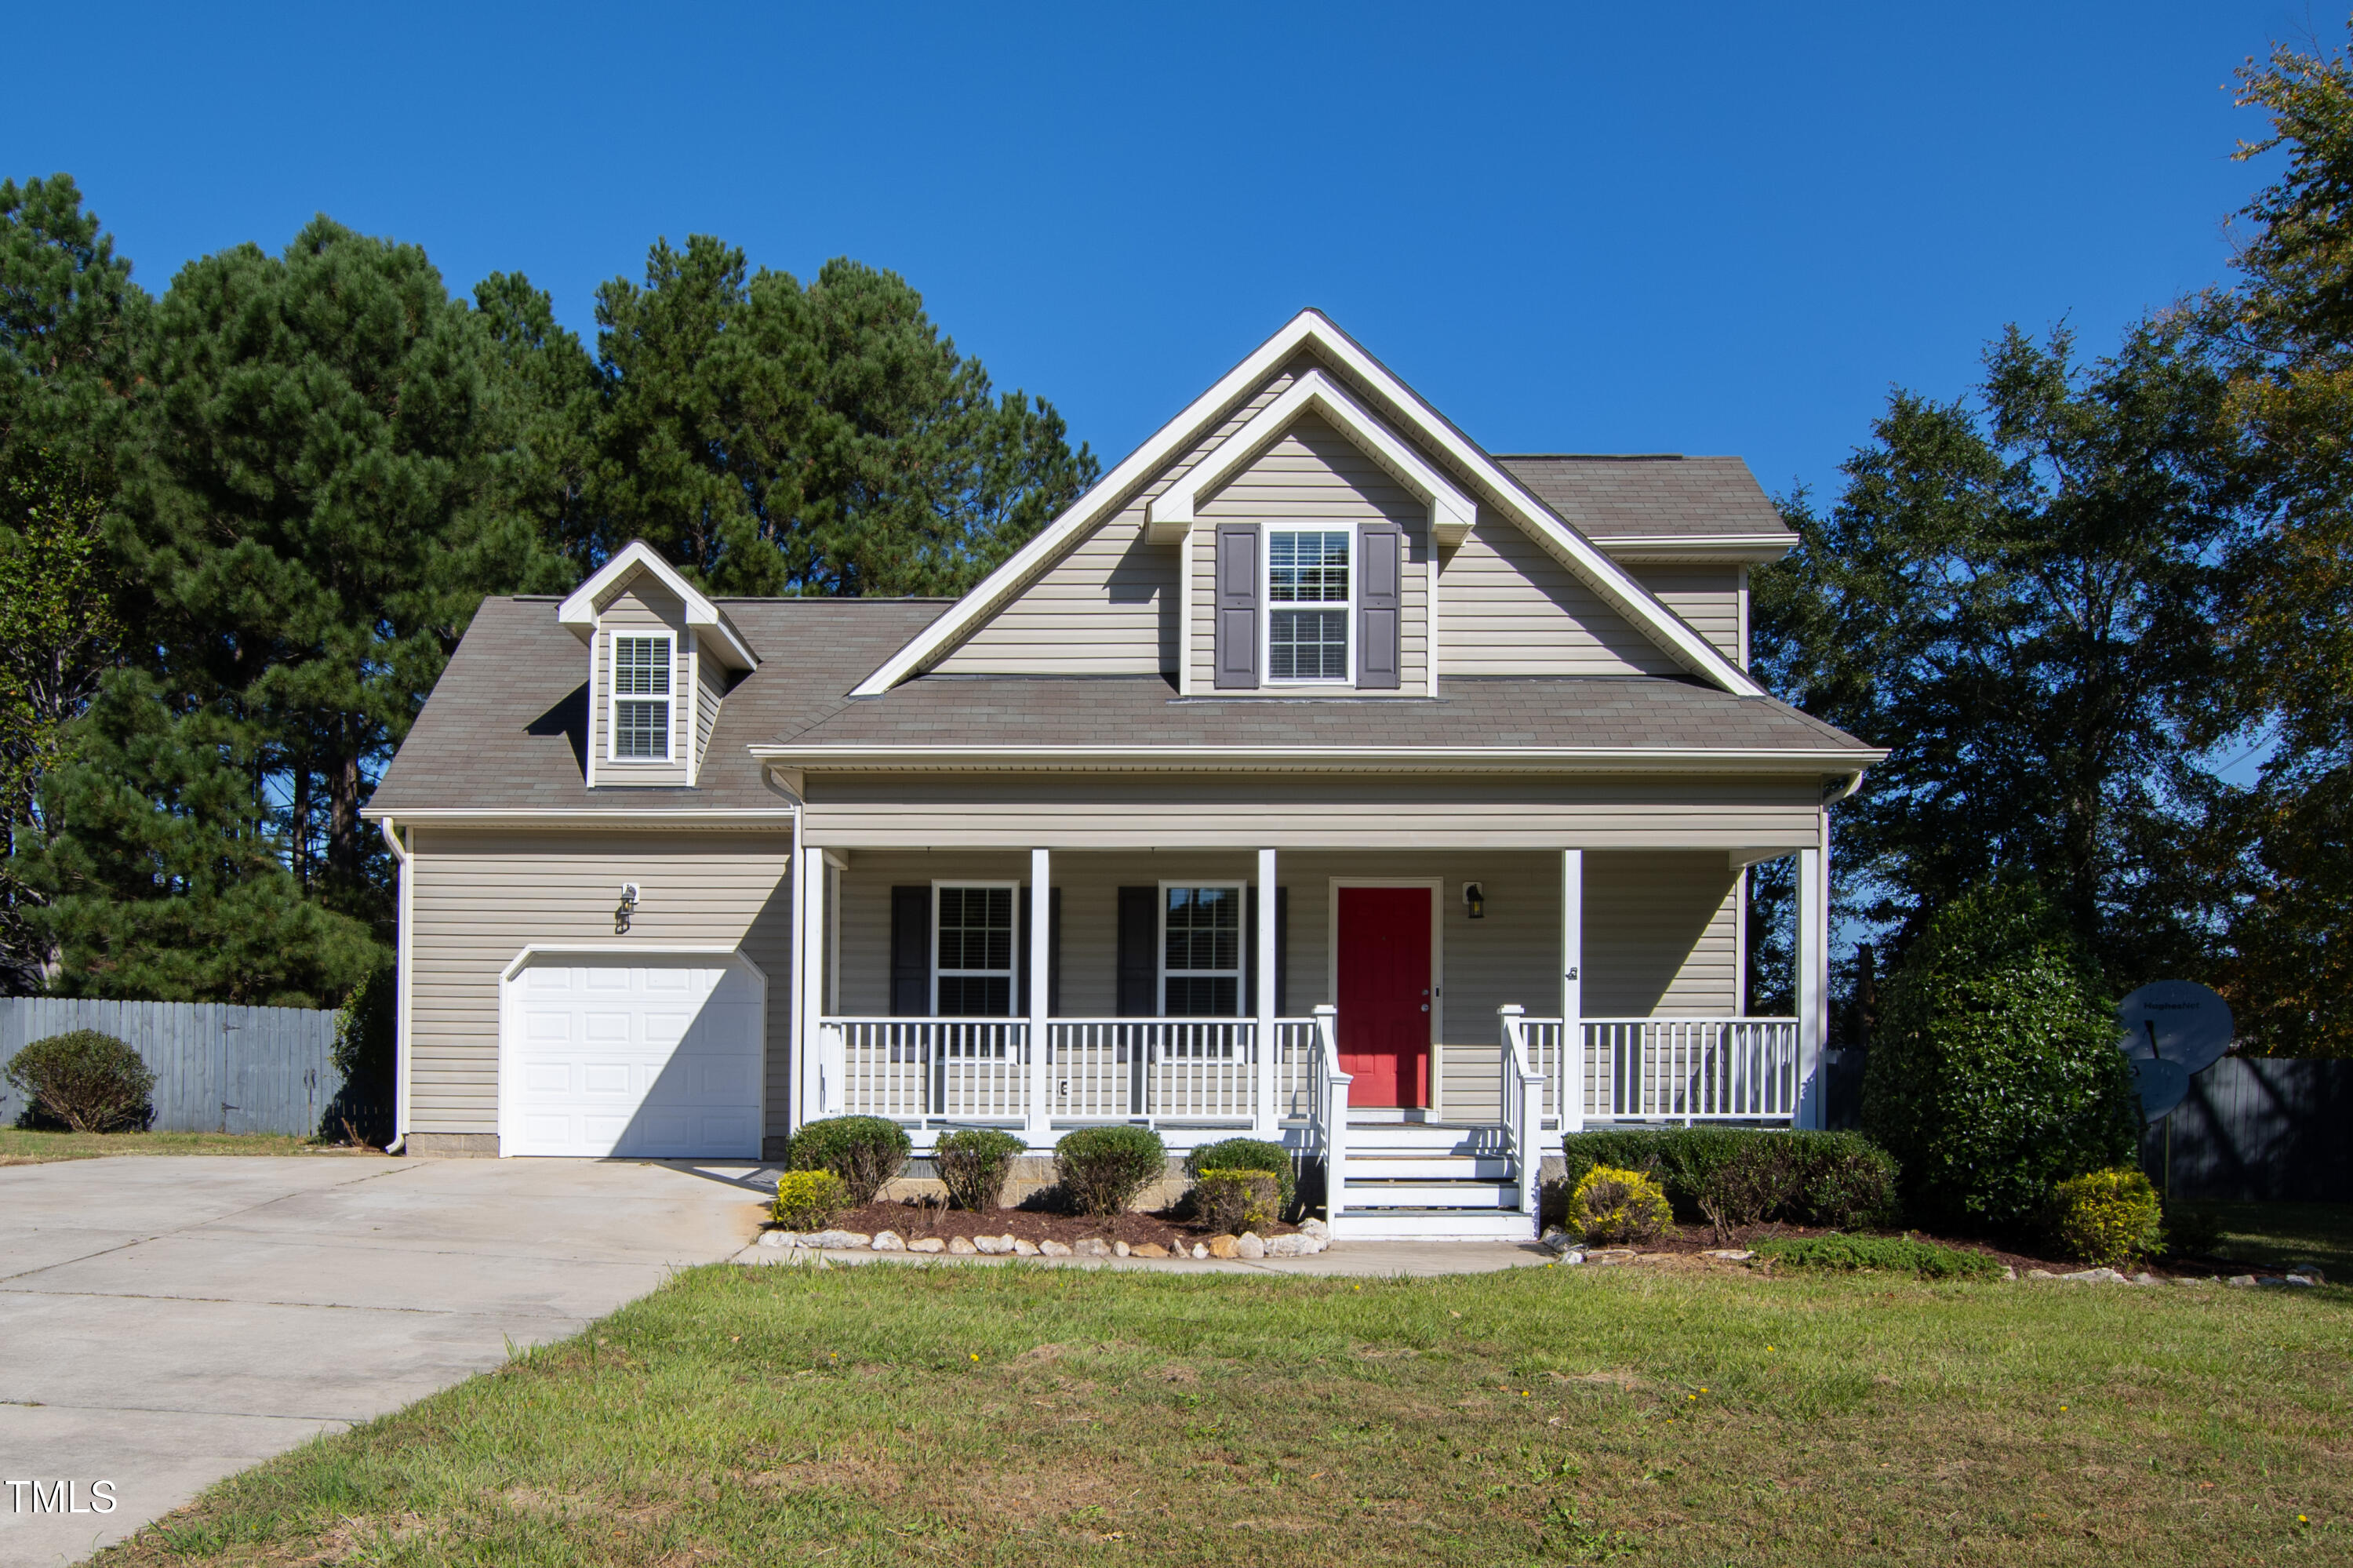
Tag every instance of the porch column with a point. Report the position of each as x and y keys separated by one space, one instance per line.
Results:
x=1039 y=1126
x=808 y=986
x=1813 y=976
x=1572 y=991
x=1266 y=1120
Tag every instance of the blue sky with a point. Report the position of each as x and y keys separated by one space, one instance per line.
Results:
x=1575 y=227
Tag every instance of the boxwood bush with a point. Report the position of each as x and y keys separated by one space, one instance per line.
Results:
x=1608 y=1204
x=89 y=1081
x=1247 y=1154
x=809 y=1200
x=1840 y=1179
x=865 y=1151
x=2110 y=1217
x=1104 y=1168
x=1236 y=1200
x=1994 y=1073
x=974 y=1163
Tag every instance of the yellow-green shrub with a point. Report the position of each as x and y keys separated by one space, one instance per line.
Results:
x=809 y=1200
x=1610 y=1204
x=1236 y=1200
x=2110 y=1216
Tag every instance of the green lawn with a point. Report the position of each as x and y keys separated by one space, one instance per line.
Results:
x=2281 y=1234
x=19 y=1146
x=1021 y=1415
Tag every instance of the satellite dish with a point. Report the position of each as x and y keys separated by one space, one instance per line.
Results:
x=2163 y=1085
x=2178 y=1021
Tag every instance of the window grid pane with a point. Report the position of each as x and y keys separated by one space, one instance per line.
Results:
x=641 y=666
x=1308 y=644
x=975 y=942
x=641 y=730
x=1307 y=568
x=1201 y=952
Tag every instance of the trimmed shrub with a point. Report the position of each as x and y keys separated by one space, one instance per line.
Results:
x=1994 y=1073
x=89 y=1081
x=1614 y=1206
x=364 y=1054
x=1236 y=1200
x=1757 y=1180
x=809 y=1200
x=974 y=1164
x=865 y=1151
x=1104 y=1168
x=1842 y=1180
x=2110 y=1216
x=1247 y=1154
x=1887 y=1254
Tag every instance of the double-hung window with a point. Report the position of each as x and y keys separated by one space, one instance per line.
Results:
x=973 y=962
x=1201 y=951
x=1307 y=604
x=639 y=720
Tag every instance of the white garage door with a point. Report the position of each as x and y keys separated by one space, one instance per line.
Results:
x=639 y=1060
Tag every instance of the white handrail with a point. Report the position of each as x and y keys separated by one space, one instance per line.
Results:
x=1523 y=1088
x=1332 y=1109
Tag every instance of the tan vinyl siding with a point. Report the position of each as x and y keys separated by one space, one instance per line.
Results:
x=1108 y=606
x=481 y=897
x=1212 y=811
x=1506 y=607
x=1659 y=933
x=710 y=687
x=1707 y=597
x=1316 y=474
x=641 y=608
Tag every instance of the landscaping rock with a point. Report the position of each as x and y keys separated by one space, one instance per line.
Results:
x=2096 y=1277
x=1609 y=1256
x=2241 y=1282
x=1119 y=1249
x=1200 y=1251
x=2144 y=1277
x=1732 y=1253
x=1570 y=1255
x=928 y=1244
x=1313 y=1245
x=1250 y=1244
x=1222 y=1246
x=1150 y=1249
x=1315 y=1228
x=1556 y=1239
x=837 y=1241
x=888 y=1240
x=1052 y=1249
x=2303 y=1279
x=963 y=1246
x=1024 y=1247
x=993 y=1245
x=1094 y=1246
x=1287 y=1247
x=779 y=1238
x=2311 y=1271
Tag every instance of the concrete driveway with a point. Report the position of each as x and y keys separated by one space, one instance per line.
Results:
x=166 y=1321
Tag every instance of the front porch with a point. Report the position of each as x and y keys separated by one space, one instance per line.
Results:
x=1173 y=992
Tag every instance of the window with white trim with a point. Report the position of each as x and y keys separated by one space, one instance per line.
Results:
x=639 y=721
x=1201 y=951
x=973 y=958
x=1307 y=604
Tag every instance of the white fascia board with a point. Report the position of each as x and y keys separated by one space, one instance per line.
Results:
x=581 y=609
x=1171 y=513
x=1604 y=575
x=777 y=817
x=1705 y=549
x=1841 y=762
x=630 y=949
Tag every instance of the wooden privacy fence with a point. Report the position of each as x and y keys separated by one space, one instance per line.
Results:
x=217 y=1068
x=2267 y=1129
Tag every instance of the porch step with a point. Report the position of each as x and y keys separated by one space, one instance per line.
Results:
x=1441 y=1195
x=1363 y=1167
x=1424 y=1137
x=1432 y=1224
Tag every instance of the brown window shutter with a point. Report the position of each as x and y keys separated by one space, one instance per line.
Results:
x=1380 y=597
x=1139 y=961
x=1237 y=605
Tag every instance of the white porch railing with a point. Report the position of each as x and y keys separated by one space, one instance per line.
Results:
x=1197 y=1071
x=1327 y=1121
x=1670 y=1069
x=1522 y=1096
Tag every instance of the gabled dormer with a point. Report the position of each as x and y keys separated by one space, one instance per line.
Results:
x=661 y=658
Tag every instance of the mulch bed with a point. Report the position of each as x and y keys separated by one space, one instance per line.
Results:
x=914 y=1220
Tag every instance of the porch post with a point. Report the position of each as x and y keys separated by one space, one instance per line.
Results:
x=809 y=984
x=1813 y=977
x=1266 y=1120
x=1038 y=1125
x=1572 y=991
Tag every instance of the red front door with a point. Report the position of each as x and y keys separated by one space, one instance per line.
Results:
x=1384 y=1000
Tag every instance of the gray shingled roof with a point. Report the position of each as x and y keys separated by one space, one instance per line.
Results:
x=505 y=728
x=1611 y=497
x=1504 y=711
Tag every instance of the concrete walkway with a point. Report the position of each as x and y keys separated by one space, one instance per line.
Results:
x=168 y=1320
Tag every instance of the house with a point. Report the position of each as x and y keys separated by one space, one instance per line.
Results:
x=1301 y=780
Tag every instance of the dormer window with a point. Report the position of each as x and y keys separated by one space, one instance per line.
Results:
x=1307 y=604
x=640 y=724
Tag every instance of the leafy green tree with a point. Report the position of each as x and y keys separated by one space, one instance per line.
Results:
x=1994 y=1072
x=2017 y=595
x=328 y=498
x=775 y=439
x=160 y=877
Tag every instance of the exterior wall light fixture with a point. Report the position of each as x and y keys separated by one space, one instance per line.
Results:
x=1474 y=900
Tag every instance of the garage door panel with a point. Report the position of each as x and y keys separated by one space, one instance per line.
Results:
x=645 y=1059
